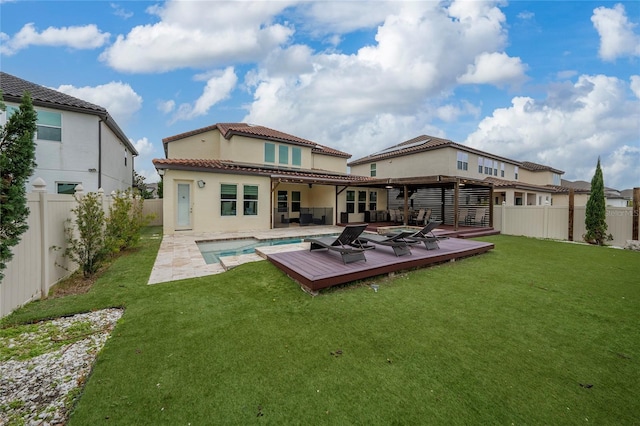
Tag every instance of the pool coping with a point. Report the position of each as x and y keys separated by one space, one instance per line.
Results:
x=180 y=258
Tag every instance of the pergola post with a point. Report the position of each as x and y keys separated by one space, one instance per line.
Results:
x=456 y=196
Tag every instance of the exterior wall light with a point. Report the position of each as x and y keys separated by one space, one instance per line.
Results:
x=201 y=183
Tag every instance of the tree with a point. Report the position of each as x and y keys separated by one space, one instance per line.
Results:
x=138 y=182
x=86 y=239
x=595 y=220
x=161 y=188
x=17 y=162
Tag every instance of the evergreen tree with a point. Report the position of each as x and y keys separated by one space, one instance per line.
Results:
x=17 y=162
x=595 y=220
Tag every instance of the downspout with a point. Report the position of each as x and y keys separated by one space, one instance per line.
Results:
x=100 y=153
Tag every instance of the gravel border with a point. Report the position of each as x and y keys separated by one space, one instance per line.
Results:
x=41 y=390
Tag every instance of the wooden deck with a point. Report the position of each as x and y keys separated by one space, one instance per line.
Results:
x=321 y=269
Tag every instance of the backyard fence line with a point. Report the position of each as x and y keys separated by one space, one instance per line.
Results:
x=553 y=222
x=38 y=260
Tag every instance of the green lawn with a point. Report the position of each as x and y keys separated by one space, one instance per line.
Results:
x=533 y=332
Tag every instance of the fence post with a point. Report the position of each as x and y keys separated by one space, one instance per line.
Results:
x=503 y=219
x=636 y=214
x=40 y=186
x=545 y=220
x=571 y=213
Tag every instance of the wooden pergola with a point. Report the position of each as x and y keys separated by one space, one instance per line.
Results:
x=457 y=184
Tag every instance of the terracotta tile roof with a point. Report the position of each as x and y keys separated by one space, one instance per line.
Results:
x=225 y=166
x=260 y=132
x=14 y=87
x=535 y=167
x=503 y=183
x=417 y=144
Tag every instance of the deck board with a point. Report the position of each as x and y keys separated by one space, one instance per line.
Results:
x=316 y=270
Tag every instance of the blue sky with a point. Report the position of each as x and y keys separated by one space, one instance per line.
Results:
x=552 y=82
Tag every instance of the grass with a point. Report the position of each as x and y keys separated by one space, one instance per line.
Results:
x=533 y=332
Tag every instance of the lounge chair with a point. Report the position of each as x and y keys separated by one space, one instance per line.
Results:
x=346 y=243
x=397 y=242
x=426 y=236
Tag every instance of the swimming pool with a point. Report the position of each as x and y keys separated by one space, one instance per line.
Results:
x=212 y=251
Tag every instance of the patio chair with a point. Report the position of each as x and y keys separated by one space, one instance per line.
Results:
x=478 y=217
x=463 y=216
x=419 y=220
x=397 y=242
x=426 y=236
x=346 y=243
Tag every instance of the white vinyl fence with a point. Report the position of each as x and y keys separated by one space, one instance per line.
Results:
x=553 y=222
x=38 y=262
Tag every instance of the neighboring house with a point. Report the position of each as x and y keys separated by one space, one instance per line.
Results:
x=77 y=142
x=236 y=176
x=582 y=189
x=514 y=182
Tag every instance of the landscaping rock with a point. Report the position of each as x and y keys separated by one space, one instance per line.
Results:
x=632 y=245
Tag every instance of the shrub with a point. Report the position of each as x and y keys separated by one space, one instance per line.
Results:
x=125 y=221
x=86 y=243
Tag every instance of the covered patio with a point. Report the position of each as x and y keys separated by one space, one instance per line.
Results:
x=454 y=201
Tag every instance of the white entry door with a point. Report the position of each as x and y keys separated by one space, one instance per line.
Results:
x=183 y=219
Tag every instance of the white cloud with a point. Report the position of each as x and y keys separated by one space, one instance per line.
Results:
x=570 y=129
x=195 y=34
x=144 y=147
x=77 y=37
x=388 y=91
x=617 y=36
x=166 y=106
x=219 y=86
x=119 y=99
x=635 y=85
x=494 y=68
x=121 y=12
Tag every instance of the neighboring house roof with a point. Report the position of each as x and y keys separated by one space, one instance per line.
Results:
x=13 y=88
x=535 y=167
x=286 y=174
x=259 y=132
x=585 y=187
x=503 y=183
x=419 y=144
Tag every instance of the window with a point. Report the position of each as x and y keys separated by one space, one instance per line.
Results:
x=296 y=156
x=556 y=179
x=373 y=200
x=480 y=164
x=283 y=154
x=463 y=160
x=373 y=169
x=516 y=172
x=495 y=168
x=295 y=201
x=250 y=200
x=283 y=202
x=488 y=164
x=228 y=197
x=125 y=157
x=48 y=124
x=501 y=169
x=67 y=187
x=269 y=153
x=351 y=199
x=362 y=201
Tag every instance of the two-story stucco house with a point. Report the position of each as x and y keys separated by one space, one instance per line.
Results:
x=77 y=142
x=237 y=176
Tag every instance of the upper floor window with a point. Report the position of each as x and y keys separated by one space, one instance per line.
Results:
x=488 y=166
x=495 y=168
x=556 y=179
x=269 y=152
x=283 y=154
x=463 y=160
x=480 y=164
x=228 y=198
x=126 y=154
x=373 y=169
x=250 y=200
x=296 y=156
x=48 y=124
x=501 y=169
x=516 y=170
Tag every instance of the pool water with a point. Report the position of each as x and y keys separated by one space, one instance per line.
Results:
x=212 y=251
